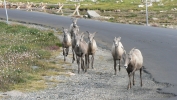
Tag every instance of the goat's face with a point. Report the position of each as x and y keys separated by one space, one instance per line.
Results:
x=75 y=31
x=78 y=40
x=116 y=43
x=65 y=32
x=127 y=60
x=74 y=22
x=91 y=37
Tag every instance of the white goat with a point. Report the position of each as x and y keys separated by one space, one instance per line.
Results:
x=81 y=52
x=117 y=52
x=75 y=32
x=133 y=62
x=92 y=47
x=73 y=25
x=66 y=43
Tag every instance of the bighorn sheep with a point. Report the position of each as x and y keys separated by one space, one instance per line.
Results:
x=73 y=25
x=92 y=47
x=75 y=32
x=66 y=43
x=81 y=52
x=117 y=52
x=133 y=62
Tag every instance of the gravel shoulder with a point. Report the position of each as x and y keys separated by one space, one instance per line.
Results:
x=99 y=83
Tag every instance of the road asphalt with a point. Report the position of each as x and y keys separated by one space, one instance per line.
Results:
x=158 y=45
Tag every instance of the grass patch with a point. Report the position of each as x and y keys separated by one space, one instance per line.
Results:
x=23 y=57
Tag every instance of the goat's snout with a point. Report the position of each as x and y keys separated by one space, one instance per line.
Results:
x=77 y=45
x=74 y=25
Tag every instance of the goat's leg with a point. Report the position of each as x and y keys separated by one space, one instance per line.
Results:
x=64 y=54
x=141 y=77
x=115 y=67
x=119 y=64
x=134 y=78
x=83 y=62
x=67 y=51
x=129 y=84
x=88 y=61
x=79 y=64
x=92 y=59
x=73 y=55
x=63 y=51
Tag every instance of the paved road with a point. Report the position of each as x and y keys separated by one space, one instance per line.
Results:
x=158 y=45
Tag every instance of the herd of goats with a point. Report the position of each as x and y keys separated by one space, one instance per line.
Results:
x=81 y=50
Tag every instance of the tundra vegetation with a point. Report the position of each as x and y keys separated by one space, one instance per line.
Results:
x=24 y=54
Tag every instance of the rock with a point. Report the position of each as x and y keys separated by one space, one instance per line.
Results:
x=35 y=67
x=155 y=19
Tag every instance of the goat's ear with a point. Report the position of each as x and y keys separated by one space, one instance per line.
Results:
x=82 y=34
x=88 y=33
x=125 y=52
x=115 y=38
x=94 y=33
x=133 y=49
x=119 y=38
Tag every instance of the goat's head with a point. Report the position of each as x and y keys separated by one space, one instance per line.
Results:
x=65 y=32
x=116 y=41
x=91 y=36
x=74 y=21
x=75 y=30
x=79 y=38
x=128 y=58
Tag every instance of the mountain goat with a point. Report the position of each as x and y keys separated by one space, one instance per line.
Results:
x=80 y=49
x=73 y=26
x=133 y=62
x=66 y=43
x=92 y=47
x=74 y=32
x=117 y=52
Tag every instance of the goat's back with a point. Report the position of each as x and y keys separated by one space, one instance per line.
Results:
x=137 y=59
